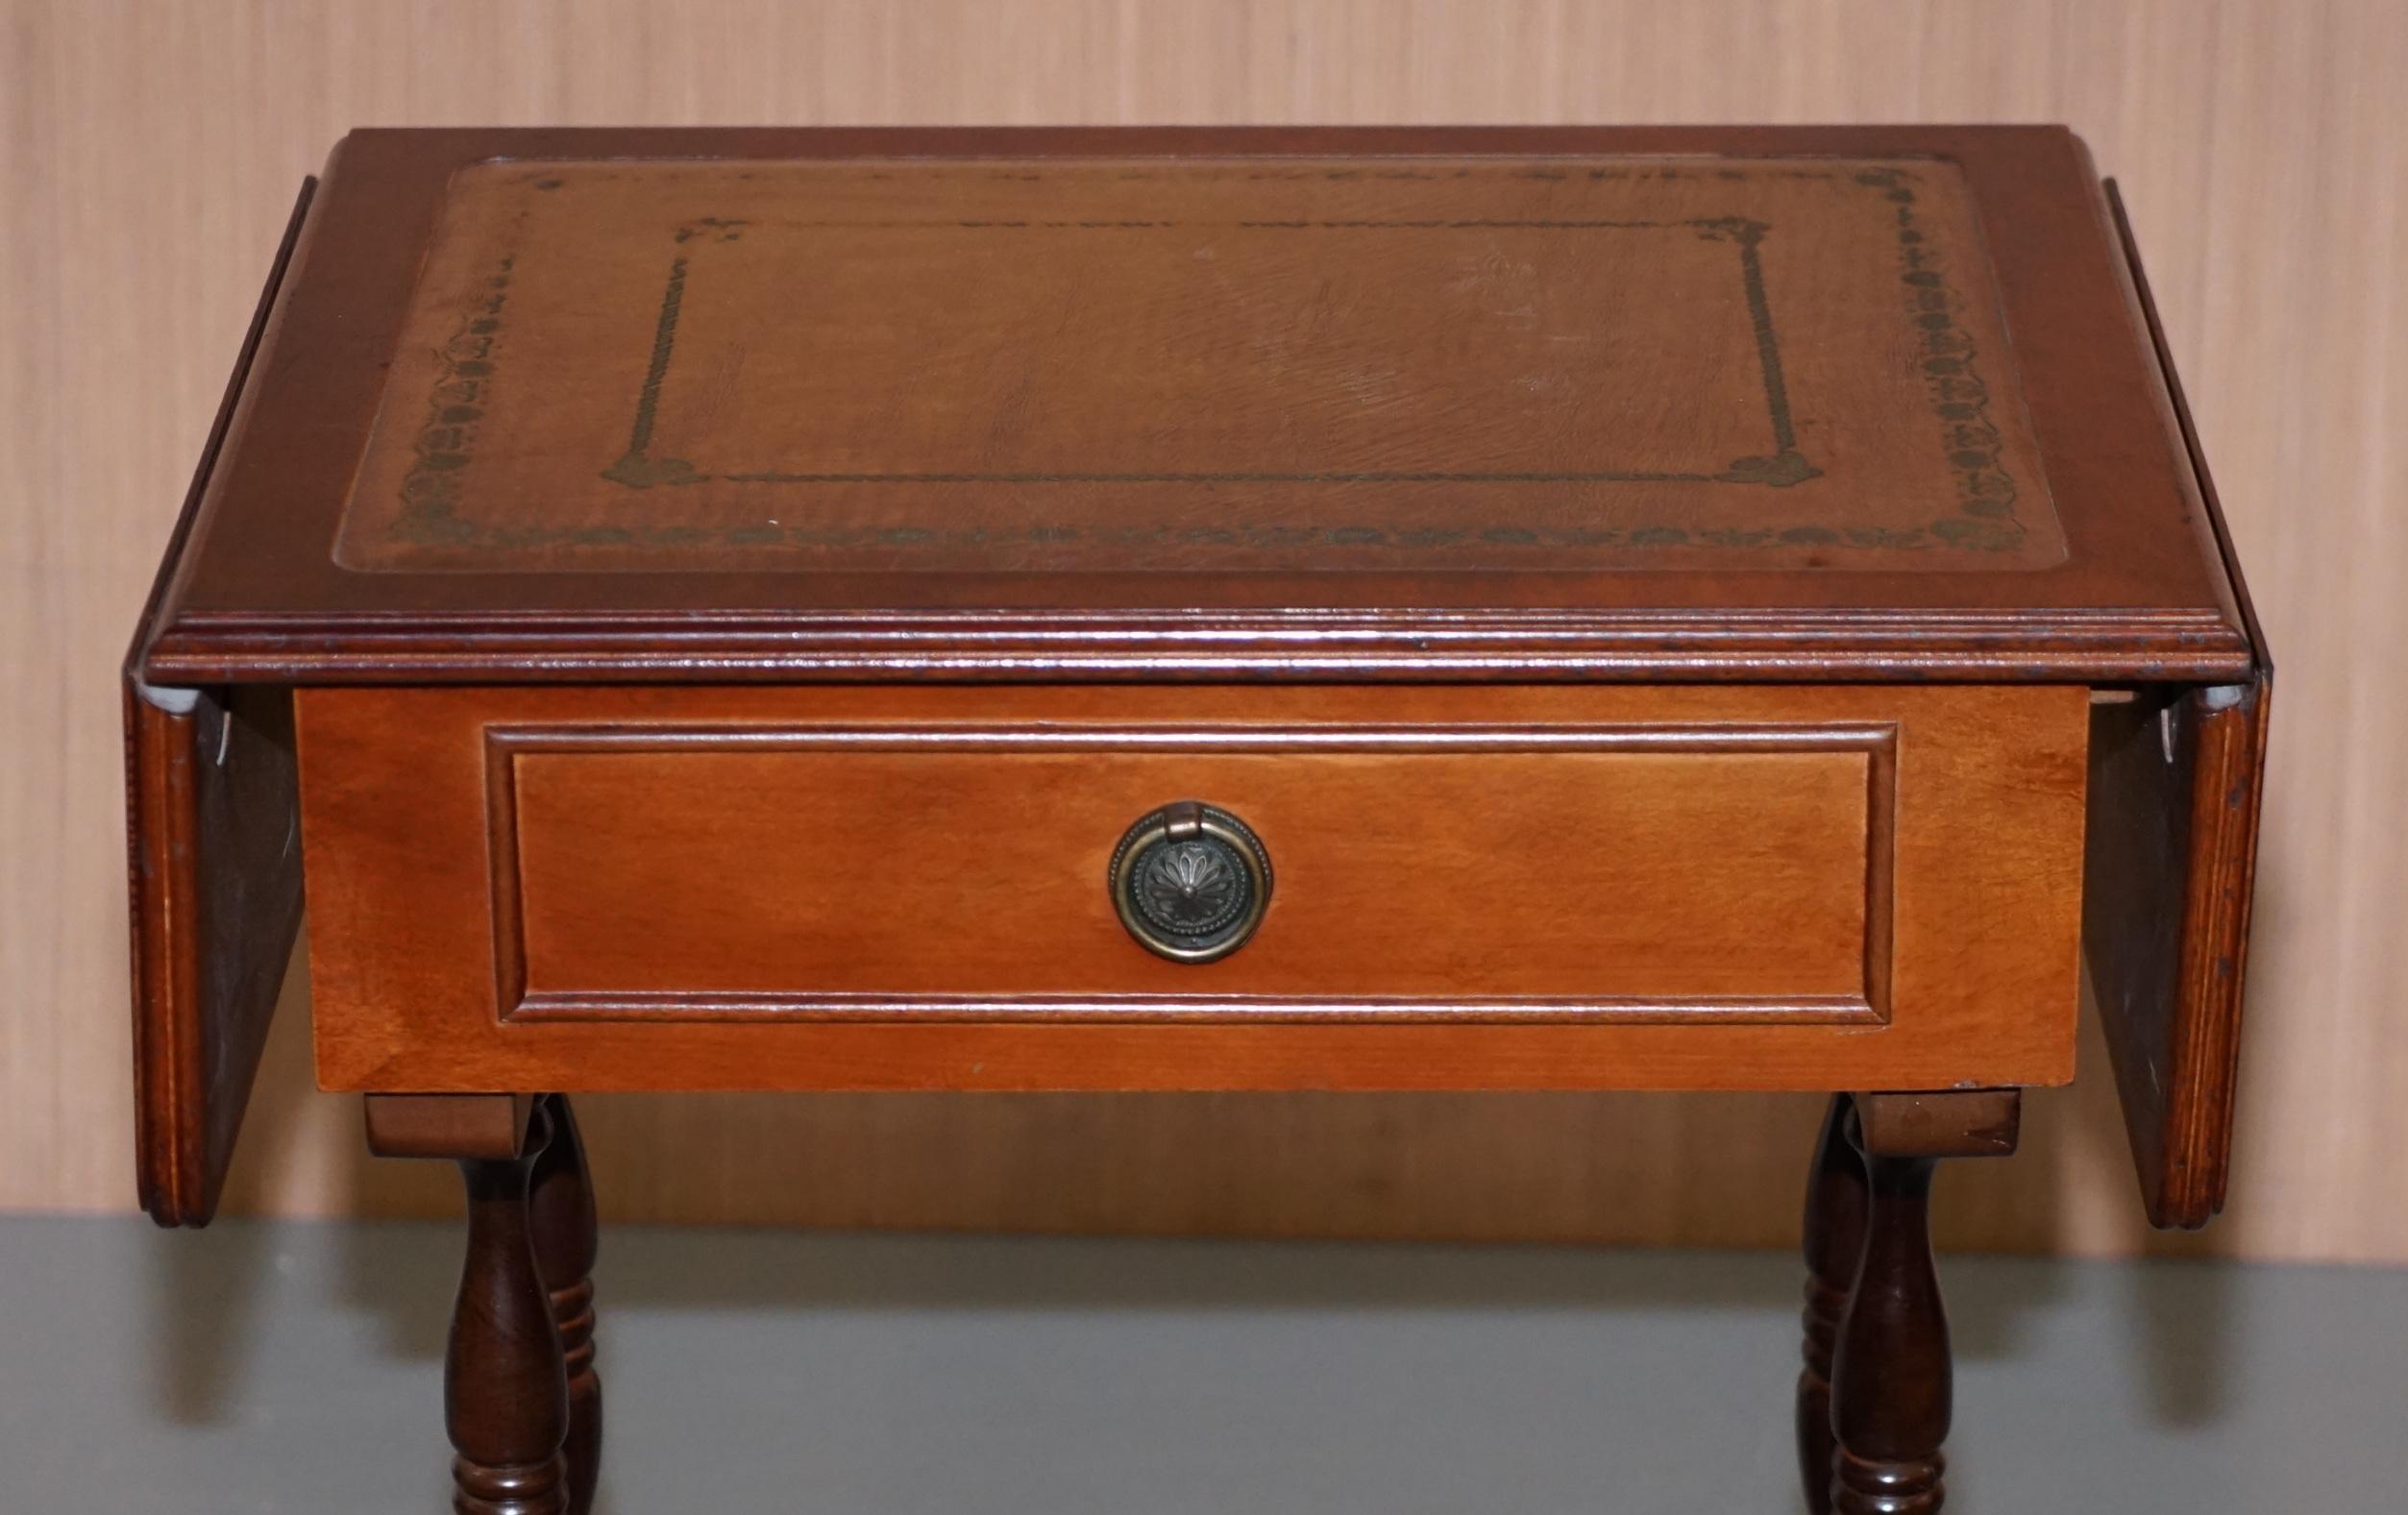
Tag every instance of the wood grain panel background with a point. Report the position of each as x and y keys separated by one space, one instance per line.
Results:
x=152 y=150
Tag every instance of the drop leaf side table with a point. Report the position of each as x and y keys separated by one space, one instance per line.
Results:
x=1198 y=609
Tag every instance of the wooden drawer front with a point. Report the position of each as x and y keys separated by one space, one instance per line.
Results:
x=854 y=871
x=906 y=887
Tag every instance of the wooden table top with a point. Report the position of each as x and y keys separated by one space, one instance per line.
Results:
x=1657 y=402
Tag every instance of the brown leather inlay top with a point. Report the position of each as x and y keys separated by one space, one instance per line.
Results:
x=1372 y=365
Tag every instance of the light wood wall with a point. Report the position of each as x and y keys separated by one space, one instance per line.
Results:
x=152 y=150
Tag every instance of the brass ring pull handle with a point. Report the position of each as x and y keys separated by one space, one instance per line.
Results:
x=1190 y=882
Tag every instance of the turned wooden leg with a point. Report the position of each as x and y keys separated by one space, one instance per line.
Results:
x=1835 y=1242
x=560 y=1212
x=505 y=1388
x=1890 y=1399
x=1890 y=1370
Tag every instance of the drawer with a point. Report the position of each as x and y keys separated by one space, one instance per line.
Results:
x=872 y=887
x=850 y=870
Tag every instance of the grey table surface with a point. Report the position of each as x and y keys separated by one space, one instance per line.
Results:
x=262 y=1367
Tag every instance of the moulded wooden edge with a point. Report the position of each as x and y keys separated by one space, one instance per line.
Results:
x=2167 y=922
x=1416 y=647
x=214 y=883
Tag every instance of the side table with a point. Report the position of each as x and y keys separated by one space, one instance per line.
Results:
x=1665 y=608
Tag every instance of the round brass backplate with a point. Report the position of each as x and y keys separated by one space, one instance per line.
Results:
x=1190 y=882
